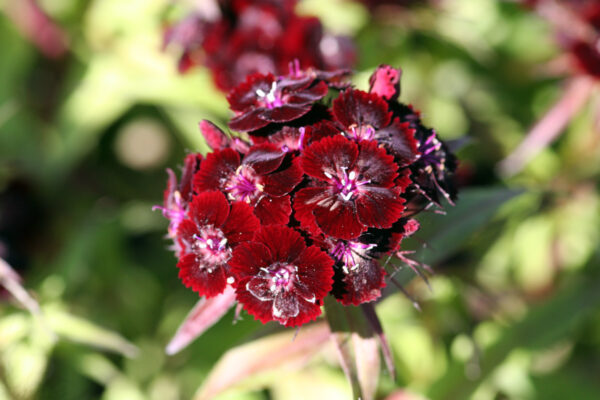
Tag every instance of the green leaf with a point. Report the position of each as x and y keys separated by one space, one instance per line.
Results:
x=445 y=234
x=262 y=355
x=85 y=332
x=542 y=326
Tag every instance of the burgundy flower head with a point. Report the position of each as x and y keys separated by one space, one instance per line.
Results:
x=207 y=237
x=325 y=184
x=279 y=278
x=242 y=37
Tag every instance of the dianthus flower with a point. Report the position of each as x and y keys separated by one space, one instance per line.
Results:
x=279 y=278
x=213 y=228
x=320 y=185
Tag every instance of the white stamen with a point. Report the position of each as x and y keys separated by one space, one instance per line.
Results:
x=346 y=196
x=260 y=92
x=223 y=242
x=327 y=174
x=352 y=175
x=230 y=280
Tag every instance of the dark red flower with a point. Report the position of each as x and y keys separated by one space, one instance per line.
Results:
x=358 y=276
x=260 y=36
x=216 y=139
x=178 y=195
x=213 y=228
x=353 y=188
x=262 y=179
x=263 y=99
x=279 y=278
x=365 y=116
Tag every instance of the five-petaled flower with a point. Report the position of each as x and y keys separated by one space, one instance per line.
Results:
x=279 y=278
x=353 y=189
x=207 y=237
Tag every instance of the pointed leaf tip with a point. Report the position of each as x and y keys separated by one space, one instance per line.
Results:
x=205 y=314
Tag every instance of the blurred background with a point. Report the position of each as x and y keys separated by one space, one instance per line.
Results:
x=93 y=109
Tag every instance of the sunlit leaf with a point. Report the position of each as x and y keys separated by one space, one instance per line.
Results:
x=85 y=332
x=204 y=315
x=263 y=355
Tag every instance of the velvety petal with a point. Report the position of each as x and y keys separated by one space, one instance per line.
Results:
x=261 y=310
x=338 y=219
x=375 y=164
x=360 y=285
x=285 y=306
x=310 y=95
x=241 y=224
x=209 y=208
x=399 y=139
x=191 y=165
x=248 y=258
x=304 y=204
x=385 y=82
x=284 y=113
x=264 y=158
x=285 y=244
x=379 y=207
x=244 y=95
x=249 y=121
x=282 y=182
x=207 y=280
x=216 y=170
x=215 y=138
x=259 y=287
x=355 y=107
x=307 y=312
x=329 y=155
x=315 y=271
x=186 y=232
x=320 y=130
x=273 y=210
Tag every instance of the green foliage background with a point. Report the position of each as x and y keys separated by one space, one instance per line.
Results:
x=84 y=140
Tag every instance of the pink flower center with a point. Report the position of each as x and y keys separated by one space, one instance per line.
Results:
x=281 y=276
x=271 y=99
x=362 y=132
x=244 y=185
x=346 y=184
x=211 y=245
x=350 y=253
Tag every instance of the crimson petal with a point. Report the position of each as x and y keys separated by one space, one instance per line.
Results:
x=284 y=113
x=329 y=155
x=216 y=169
x=241 y=224
x=249 y=121
x=248 y=258
x=284 y=243
x=385 y=82
x=338 y=219
x=379 y=207
x=273 y=210
x=264 y=158
x=362 y=284
x=355 y=107
x=209 y=208
x=376 y=165
x=215 y=138
x=207 y=280
x=282 y=182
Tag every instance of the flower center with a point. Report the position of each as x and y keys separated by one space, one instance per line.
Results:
x=362 y=132
x=346 y=184
x=350 y=253
x=281 y=276
x=211 y=244
x=244 y=185
x=271 y=99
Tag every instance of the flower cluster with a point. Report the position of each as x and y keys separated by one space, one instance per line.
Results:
x=241 y=37
x=317 y=192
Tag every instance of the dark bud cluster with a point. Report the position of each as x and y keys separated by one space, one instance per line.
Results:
x=241 y=37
